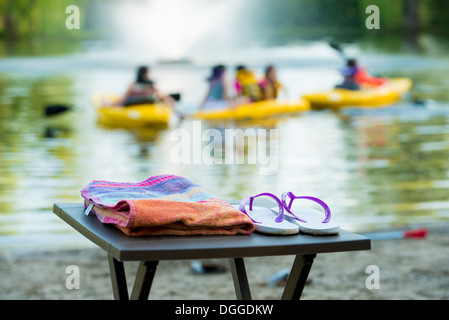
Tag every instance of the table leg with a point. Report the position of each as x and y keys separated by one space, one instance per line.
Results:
x=240 y=279
x=144 y=280
x=118 y=278
x=298 y=276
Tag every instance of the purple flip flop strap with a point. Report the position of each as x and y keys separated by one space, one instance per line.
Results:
x=244 y=201
x=326 y=208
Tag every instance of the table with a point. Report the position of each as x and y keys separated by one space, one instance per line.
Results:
x=150 y=250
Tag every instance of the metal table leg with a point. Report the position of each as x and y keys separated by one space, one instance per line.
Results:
x=144 y=280
x=240 y=279
x=298 y=276
x=142 y=283
x=118 y=278
x=147 y=269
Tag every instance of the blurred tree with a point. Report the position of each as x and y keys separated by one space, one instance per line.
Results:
x=412 y=19
x=46 y=18
x=437 y=11
x=43 y=18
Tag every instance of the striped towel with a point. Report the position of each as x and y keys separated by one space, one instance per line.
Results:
x=163 y=205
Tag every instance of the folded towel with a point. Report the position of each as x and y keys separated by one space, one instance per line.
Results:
x=164 y=205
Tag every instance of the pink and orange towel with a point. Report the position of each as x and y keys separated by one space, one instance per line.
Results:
x=164 y=205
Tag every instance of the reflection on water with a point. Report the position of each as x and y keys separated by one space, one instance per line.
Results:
x=402 y=162
x=376 y=169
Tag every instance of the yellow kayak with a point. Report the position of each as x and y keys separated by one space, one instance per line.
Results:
x=384 y=95
x=254 y=110
x=157 y=114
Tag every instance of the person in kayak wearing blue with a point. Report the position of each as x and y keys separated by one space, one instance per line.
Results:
x=144 y=91
x=356 y=77
x=217 y=96
x=349 y=73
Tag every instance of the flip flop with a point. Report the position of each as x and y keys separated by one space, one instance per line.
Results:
x=268 y=221
x=311 y=221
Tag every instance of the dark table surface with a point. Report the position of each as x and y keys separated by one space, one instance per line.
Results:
x=125 y=248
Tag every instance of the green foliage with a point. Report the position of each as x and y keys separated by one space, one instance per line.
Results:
x=327 y=17
x=21 y=19
x=391 y=12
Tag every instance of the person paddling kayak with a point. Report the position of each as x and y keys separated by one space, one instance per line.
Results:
x=246 y=85
x=270 y=84
x=143 y=91
x=356 y=77
x=217 y=96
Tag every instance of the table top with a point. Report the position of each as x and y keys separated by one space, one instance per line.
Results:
x=126 y=248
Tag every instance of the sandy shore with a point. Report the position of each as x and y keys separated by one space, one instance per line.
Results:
x=409 y=269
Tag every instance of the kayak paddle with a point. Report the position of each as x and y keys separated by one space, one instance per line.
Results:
x=175 y=96
x=55 y=109
x=418 y=233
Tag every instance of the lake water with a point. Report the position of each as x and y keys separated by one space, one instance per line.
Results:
x=377 y=169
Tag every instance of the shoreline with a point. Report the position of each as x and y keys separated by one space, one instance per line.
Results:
x=409 y=269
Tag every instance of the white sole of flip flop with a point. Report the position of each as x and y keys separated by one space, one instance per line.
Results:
x=314 y=224
x=267 y=224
